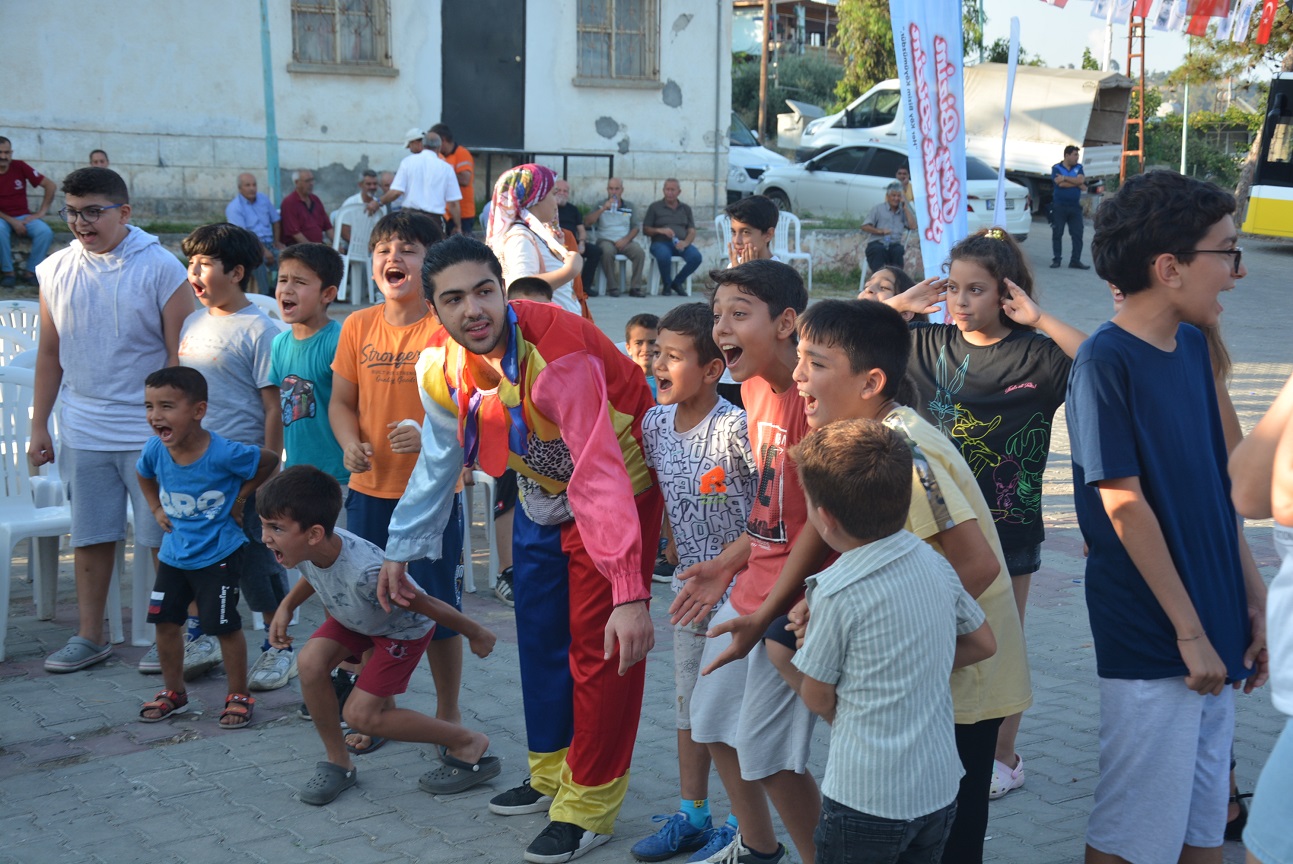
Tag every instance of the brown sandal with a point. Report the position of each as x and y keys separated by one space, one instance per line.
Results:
x=168 y=702
x=239 y=706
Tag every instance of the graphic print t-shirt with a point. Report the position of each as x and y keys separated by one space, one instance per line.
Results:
x=995 y=403
x=197 y=498
x=302 y=369
x=777 y=511
x=705 y=474
x=380 y=359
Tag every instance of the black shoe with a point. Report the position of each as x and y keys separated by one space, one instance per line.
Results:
x=1235 y=827
x=1055 y=262
x=520 y=800
x=562 y=841
x=9 y=281
x=1078 y=265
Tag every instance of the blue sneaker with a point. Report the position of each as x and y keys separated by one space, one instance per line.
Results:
x=676 y=835
x=716 y=840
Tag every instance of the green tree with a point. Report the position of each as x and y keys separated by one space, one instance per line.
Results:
x=864 y=36
x=1089 y=61
x=999 y=52
x=809 y=78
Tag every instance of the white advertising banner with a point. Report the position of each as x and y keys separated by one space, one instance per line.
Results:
x=927 y=41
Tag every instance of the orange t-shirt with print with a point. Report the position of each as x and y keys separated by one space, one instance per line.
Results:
x=461 y=160
x=379 y=358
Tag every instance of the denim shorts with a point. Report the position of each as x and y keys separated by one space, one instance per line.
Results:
x=1267 y=836
x=848 y=836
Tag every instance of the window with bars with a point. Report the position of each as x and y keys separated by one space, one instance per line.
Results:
x=349 y=35
x=617 y=41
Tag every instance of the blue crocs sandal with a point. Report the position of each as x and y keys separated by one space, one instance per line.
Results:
x=76 y=655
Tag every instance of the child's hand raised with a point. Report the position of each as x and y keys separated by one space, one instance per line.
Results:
x=405 y=436
x=482 y=642
x=703 y=585
x=1018 y=306
x=921 y=298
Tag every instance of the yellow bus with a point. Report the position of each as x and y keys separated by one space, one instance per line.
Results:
x=1270 y=202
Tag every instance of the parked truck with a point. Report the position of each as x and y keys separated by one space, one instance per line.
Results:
x=1051 y=109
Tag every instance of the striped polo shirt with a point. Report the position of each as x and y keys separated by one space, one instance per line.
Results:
x=885 y=618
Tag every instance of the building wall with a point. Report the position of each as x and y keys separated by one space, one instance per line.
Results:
x=174 y=92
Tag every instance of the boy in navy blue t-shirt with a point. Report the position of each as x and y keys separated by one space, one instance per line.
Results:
x=1168 y=600
x=196 y=484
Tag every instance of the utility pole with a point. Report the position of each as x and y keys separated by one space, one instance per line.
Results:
x=763 y=71
x=1185 y=104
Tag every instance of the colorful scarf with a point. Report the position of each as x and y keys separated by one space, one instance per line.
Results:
x=514 y=193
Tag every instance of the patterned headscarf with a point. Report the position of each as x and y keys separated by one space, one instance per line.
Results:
x=514 y=193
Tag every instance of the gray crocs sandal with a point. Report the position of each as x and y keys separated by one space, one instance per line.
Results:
x=76 y=655
x=456 y=775
x=329 y=781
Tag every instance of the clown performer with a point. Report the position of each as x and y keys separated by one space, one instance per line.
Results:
x=532 y=387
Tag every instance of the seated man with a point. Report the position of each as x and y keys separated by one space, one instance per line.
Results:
x=384 y=181
x=570 y=219
x=254 y=211
x=672 y=230
x=617 y=225
x=886 y=223
x=305 y=220
x=368 y=186
x=16 y=219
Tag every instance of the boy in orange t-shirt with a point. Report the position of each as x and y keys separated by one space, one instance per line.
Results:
x=376 y=415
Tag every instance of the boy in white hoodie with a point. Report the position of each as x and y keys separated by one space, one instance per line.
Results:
x=111 y=307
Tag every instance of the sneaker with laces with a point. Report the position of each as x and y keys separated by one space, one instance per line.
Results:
x=716 y=839
x=676 y=835
x=519 y=800
x=1005 y=778
x=150 y=663
x=562 y=841
x=272 y=669
x=503 y=587
x=737 y=852
x=201 y=656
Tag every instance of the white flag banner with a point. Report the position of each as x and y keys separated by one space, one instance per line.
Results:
x=999 y=210
x=1114 y=11
x=1243 y=17
x=1226 y=26
x=927 y=41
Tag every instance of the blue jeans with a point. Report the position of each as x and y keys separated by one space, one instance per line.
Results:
x=848 y=836
x=41 y=236
x=663 y=250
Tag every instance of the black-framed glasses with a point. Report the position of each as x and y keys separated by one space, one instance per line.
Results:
x=1237 y=252
x=89 y=215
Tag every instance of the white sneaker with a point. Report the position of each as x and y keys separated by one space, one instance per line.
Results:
x=737 y=852
x=201 y=656
x=150 y=663
x=272 y=669
x=1005 y=778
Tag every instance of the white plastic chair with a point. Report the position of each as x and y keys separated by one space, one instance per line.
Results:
x=485 y=482
x=356 y=254
x=21 y=315
x=14 y=342
x=723 y=228
x=621 y=261
x=781 y=248
x=266 y=304
x=675 y=262
x=20 y=518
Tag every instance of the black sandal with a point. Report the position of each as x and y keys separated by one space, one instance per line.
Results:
x=1235 y=827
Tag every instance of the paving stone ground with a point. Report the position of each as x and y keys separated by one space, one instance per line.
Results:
x=81 y=780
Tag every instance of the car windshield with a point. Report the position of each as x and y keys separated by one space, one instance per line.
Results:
x=739 y=135
x=977 y=169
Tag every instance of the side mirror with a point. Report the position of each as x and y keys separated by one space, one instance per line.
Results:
x=812 y=166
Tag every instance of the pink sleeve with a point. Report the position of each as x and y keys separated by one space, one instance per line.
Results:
x=572 y=392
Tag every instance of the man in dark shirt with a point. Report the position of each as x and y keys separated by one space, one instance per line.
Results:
x=570 y=219
x=1066 y=207
x=672 y=230
x=15 y=217
x=304 y=219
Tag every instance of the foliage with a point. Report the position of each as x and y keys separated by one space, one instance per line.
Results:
x=809 y=78
x=999 y=52
x=864 y=36
x=1088 y=60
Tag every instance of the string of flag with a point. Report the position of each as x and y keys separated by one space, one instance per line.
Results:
x=1192 y=16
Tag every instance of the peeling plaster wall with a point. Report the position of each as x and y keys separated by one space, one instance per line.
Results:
x=664 y=130
x=177 y=99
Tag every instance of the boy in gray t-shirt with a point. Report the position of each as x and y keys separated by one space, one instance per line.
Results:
x=299 y=510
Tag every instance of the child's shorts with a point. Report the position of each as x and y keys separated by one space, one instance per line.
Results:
x=215 y=588
x=778 y=633
x=1164 y=769
x=392 y=663
x=1268 y=836
x=1023 y=560
x=98 y=483
x=688 y=646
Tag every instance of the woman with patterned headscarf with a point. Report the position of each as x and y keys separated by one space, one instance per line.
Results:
x=523 y=234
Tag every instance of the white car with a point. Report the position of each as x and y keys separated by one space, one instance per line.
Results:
x=846 y=182
x=746 y=160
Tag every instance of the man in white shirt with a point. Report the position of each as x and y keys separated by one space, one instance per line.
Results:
x=426 y=181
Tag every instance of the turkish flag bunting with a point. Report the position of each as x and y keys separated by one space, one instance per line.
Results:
x=1269 y=8
x=1141 y=9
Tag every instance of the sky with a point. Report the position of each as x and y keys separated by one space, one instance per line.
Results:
x=1059 y=35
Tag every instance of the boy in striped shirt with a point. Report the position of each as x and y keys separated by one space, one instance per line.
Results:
x=889 y=621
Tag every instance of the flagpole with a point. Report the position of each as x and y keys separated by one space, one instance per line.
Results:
x=1185 y=105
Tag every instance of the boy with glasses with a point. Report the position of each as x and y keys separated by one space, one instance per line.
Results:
x=111 y=308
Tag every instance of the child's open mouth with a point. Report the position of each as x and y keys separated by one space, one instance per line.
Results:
x=395 y=278
x=810 y=402
x=732 y=354
x=287 y=306
x=166 y=433
x=662 y=384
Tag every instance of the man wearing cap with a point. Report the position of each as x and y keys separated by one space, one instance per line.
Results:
x=426 y=181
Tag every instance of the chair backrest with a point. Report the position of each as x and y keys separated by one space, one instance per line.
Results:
x=723 y=228
x=23 y=315
x=16 y=389
x=361 y=228
x=13 y=342
x=787 y=224
x=266 y=304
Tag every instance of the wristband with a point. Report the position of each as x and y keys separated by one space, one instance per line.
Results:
x=1190 y=639
x=241 y=499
